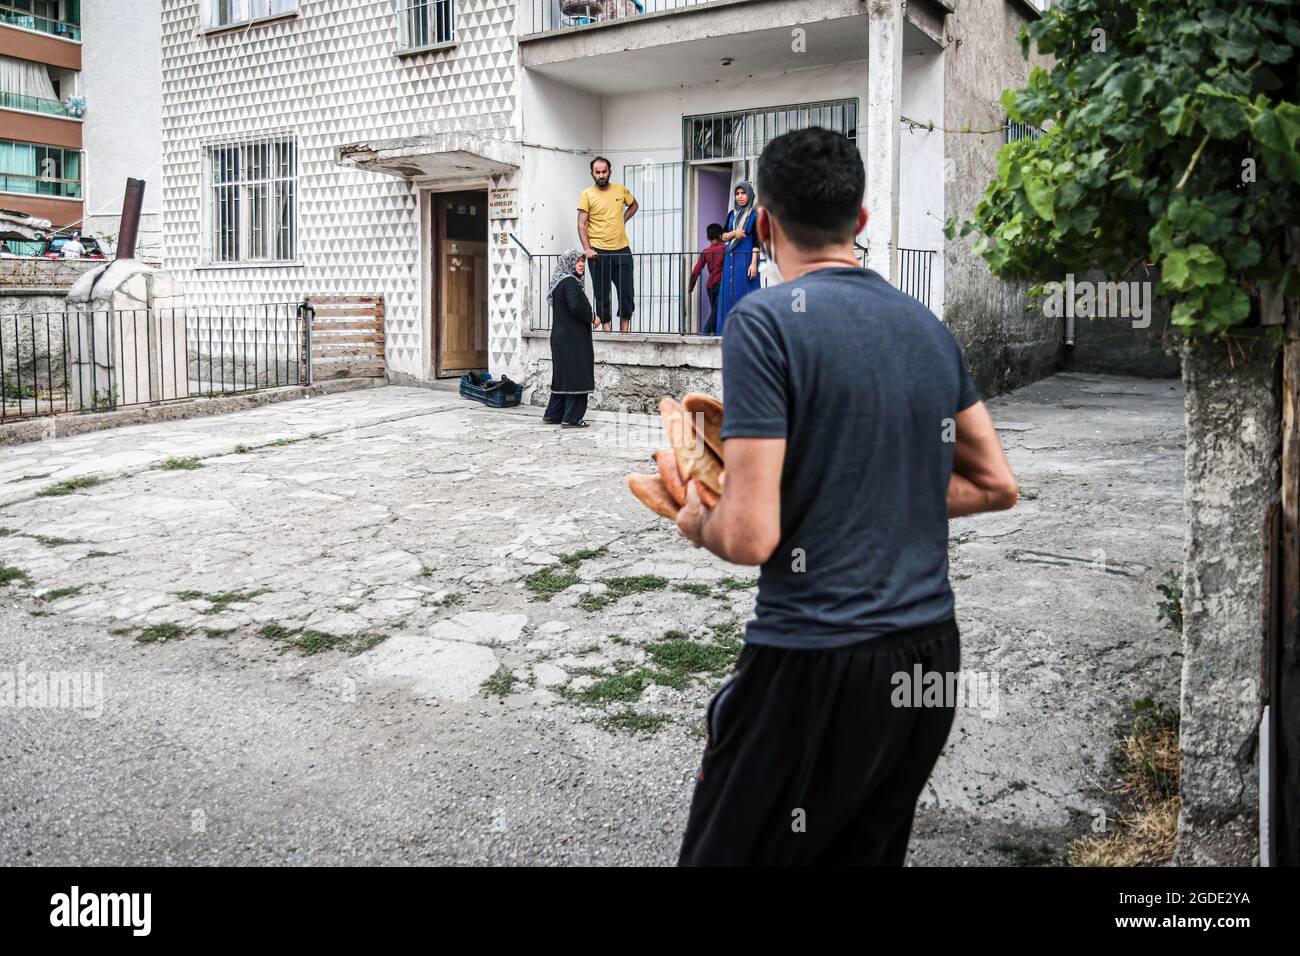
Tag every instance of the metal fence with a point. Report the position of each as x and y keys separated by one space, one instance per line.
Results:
x=915 y=269
x=73 y=361
x=549 y=15
x=662 y=299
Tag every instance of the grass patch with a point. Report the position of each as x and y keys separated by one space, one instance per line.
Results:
x=620 y=588
x=59 y=593
x=160 y=633
x=219 y=602
x=274 y=631
x=677 y=654
x=1145 y=758
x=500 y=683
x=50 y=541
x=454 y=599
x=14 y=481
x=631 y=721
x=218 y=631
x=9 y=574
x=699 y=590
x=100 y=554
x=738 y=584
x=68 y=487
x=621 y=686
x=313 y=642
x=180 y=464
x=548 y=582
x=1024 y=855
x=242 y=449
x=586 y=554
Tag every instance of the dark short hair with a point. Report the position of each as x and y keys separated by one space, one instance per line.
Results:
x=812 y=181
x=714 y=230
x=602 y=159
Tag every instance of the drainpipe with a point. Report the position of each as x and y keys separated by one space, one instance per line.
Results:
x=129 y=228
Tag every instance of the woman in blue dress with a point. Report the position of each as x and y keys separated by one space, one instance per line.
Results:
x=740 y=267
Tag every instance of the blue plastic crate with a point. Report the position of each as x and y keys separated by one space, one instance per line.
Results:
x=495 y=394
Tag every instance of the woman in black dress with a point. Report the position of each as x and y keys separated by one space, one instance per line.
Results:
x=573 y=363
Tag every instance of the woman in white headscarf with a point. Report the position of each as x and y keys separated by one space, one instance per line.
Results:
x=573 y=362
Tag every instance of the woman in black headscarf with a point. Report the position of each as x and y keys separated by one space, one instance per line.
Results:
x=573 y=362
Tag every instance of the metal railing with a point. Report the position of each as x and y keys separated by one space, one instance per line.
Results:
x=55 y=362
x=40 y=185
x=548 y=15
x=662 y=301
x=915 y=269
x=29 y=21
x=33 y=104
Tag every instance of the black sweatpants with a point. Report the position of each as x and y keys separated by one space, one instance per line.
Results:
x=808 y=761
x=568 y=409
x=613 y=265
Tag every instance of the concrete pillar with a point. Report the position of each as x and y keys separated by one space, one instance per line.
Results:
x=126 y=337
x=1231 y=479
x=884 y=103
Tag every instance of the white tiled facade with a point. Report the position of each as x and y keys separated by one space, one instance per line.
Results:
x=332 y=77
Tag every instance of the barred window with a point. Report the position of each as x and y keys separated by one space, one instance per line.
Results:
x=425 y=23
x=223 y=13
x=1018 y=131
x=742 y=135
x=252 y=201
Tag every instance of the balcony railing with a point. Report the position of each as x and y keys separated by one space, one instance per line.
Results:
x=29 y=21
x=33 y=104
x=550 y=15
x=663 y=304
x=40 y=185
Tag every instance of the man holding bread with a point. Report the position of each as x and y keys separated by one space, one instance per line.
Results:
x=852 y=432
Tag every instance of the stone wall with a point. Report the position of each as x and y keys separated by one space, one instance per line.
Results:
x=1232 y=476
x=31 y=345
x=1006 y=344
x=632 y=371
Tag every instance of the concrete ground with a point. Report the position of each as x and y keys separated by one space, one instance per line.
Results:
x=392 y=626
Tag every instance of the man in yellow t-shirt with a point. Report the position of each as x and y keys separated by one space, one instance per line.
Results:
x=603 y=209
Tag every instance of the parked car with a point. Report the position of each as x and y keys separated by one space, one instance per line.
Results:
x=52 y=248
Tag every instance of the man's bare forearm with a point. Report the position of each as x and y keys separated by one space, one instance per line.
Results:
x=967 y=498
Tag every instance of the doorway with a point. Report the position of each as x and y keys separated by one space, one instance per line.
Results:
x=712 y=194
x=460 y=272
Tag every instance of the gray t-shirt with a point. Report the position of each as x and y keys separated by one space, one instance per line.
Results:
x=864 y=383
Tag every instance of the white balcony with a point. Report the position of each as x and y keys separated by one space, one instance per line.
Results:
x=688 y=42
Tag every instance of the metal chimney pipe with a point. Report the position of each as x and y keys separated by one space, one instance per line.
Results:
x=129 y=228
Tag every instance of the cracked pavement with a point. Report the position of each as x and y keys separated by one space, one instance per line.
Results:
x=393 y=626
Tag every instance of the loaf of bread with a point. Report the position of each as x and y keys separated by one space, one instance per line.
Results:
x=694 y=457
x=653 y=494
x=706 y=416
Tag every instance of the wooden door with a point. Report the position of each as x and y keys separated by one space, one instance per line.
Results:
x=461 y=268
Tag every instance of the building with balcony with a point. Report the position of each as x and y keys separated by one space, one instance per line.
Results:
x=433 y=151
x=41 y=134
x=77 y=117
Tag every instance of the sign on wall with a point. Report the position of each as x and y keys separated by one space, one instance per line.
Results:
x=503 y=204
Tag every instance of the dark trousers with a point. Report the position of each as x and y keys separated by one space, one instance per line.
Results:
x=809 y=761
x=613 y=265
x=565 y=408
x=711 y=325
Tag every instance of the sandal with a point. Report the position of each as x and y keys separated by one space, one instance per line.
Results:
x=581 y=424
x=551 y=421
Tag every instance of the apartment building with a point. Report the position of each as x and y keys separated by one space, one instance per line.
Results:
x=433 y=151
x=41 y=135
x=80 y=113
